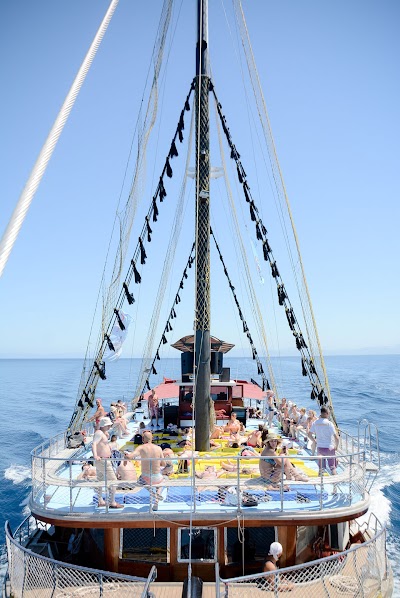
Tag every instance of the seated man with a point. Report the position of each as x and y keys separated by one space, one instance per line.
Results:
x=126 y=472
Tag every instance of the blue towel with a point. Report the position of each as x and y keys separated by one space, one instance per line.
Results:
x=276 y=495
x=141 y=498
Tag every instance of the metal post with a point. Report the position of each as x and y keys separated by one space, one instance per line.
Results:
x=238 y=484
x=351 y=480
x=70 y=486
x=203 y=343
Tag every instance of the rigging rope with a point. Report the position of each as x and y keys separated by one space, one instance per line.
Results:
x=245 y=327
x=33 y=182
x=279 y=183
x=176 y=230
x=83 y=405
x=308 y=368
x=249 y=287
x=168 y=328
x=128 y=214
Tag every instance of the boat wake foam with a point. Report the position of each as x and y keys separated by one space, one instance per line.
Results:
x=18 y=474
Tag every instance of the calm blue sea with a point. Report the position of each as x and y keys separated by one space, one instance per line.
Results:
x=37 y=397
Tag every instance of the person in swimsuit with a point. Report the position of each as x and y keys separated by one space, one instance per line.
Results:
x=119 y=422
x=271 y=464
x=88 y=472
x=301 y=425
x=100 y=412
x=275 y=582
x=126 y=472
x=210 y=473
x=254 y=439
x=152 y=403
x=169 y=459
x=151 y=460
x=233 y=426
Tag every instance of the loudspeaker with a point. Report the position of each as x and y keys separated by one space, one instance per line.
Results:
x=171 y=415
x=216 y=362
x=225 y=375
x=187 y=362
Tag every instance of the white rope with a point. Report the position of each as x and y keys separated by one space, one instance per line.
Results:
x=129 y=212
x=281 y=191
x=169 y=258
x=31 y=186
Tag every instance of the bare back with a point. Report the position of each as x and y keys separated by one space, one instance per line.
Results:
x=148 y=451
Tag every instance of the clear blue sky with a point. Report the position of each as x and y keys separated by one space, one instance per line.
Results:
x=331 y=79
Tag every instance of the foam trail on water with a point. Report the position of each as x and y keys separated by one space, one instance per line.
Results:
x=380 y=505
x=17 y=474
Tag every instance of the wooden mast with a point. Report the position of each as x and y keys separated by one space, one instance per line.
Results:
x=203 y=343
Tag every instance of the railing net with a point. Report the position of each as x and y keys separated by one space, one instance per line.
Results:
x=361 y=571
x=35 y=576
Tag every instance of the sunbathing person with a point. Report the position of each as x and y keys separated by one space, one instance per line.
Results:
x=121 y=406
x=88 y=472
x=300 y=425
x=285 y=420
x=271 y=464
x=126 y=472
x=217 y=433
x=312 y=417
x=233 y=425
x=119 y=422
x=187 y=438
x=168 y=468
x=210 y=473
x=254 y=438
x=232 y=466
x=113 y=443
x=250 y=452
x=236 y=439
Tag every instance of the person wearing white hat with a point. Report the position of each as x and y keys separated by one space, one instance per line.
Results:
x=275 y=581
x=102 y=454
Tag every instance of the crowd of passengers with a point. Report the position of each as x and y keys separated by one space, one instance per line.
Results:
x=158 y=462
x=233 y=433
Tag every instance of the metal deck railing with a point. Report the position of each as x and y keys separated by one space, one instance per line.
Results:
x=56 y=488
x=363 y=570
x=33 y=575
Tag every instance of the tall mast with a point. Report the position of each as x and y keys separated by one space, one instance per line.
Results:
x=203 y=343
